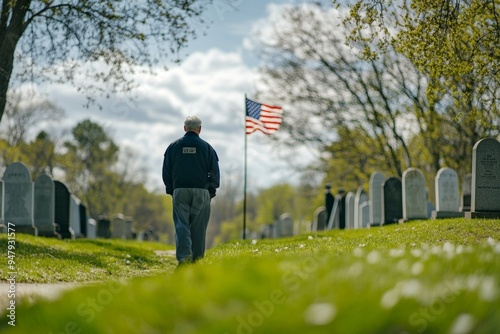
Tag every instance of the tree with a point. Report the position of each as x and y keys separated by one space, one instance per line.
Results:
x=351 y=101
x=60 y=40
x=42 y=156
x=25 y=110
x=88 y=161
x=327 y=88
x=455 y=43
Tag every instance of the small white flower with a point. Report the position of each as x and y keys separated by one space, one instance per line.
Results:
x=355 y=270
x=491 y=241
x=320 y=314
x=416 y=252
x=417 y=268
x=411 y=288
x=254 y=242
x=309 y=237
x=448 y=248
x=395 y=252
x=389 y=299
x=358 y=252
x=463 y=324
x=373 y=257
x=488 y=289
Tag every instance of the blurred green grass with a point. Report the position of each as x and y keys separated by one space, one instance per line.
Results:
x=419 y=277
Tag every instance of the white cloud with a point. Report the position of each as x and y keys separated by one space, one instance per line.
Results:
x=209 y=84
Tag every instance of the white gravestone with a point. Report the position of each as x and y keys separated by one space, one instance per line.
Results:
x=44 y=212
x=485 y=196
x=349 y=210
x=414 y=195
x=447 y=194
x=18 y=198
x=360 y=198
x=376 y=181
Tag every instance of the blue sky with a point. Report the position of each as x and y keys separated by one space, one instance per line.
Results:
x=217 y=70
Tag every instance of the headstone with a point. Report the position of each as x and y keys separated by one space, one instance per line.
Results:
x=118 y=228
x=485 y=197
x=349 y=210
x=359 y=199
x=144 y=235
x=84 y=220
x=62 y=211
x=376 y=181
x=364 y=210
x=466 y=193
x=414 y=195
x=103 y=227
x=128 y=231
x=91 y=228
x=267 y=231
x=341 y=209
x=74 y=216
x=447 y=194
x=392 y=201
x=18 y=198
x=329 y=201
x=44 y=214
x=320 y=219
x=1 y=207
x=333 y=219
x=284 y=226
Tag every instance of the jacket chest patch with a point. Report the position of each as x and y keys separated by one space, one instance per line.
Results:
x=189 y=150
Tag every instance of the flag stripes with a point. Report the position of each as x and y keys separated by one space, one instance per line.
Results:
x=262 y=117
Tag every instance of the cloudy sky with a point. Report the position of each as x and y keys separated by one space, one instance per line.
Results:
x=217 y=70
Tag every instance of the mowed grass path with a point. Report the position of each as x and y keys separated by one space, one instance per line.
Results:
x=419 y=277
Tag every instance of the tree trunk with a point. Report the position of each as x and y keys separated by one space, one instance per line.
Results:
x=12 y=26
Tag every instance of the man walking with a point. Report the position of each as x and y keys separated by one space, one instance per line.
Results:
x=191 y=175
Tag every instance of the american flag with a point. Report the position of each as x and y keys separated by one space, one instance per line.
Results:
x=262 y=117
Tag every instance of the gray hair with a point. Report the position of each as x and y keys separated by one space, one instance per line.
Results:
x=192 y=123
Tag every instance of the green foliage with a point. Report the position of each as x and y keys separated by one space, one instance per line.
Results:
x=273 y=202
x=413 y=72
x=426 y=276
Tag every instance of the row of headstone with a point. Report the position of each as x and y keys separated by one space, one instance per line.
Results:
x=283 y=227
x=122 y=227
x=41 y=208
x=47 y=208
x=393 y=200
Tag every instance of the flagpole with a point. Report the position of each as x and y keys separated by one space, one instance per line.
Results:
x=245 y=177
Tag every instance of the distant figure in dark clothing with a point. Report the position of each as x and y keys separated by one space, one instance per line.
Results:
x=341 y=200
x=329 y=200
x=191 y=175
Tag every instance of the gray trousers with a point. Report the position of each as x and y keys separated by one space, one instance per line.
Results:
x=191 y=214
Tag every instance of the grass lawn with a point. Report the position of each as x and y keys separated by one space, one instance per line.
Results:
x=46 y=260
x=419 y=277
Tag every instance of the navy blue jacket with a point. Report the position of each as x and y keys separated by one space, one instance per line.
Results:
x=190 y=162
